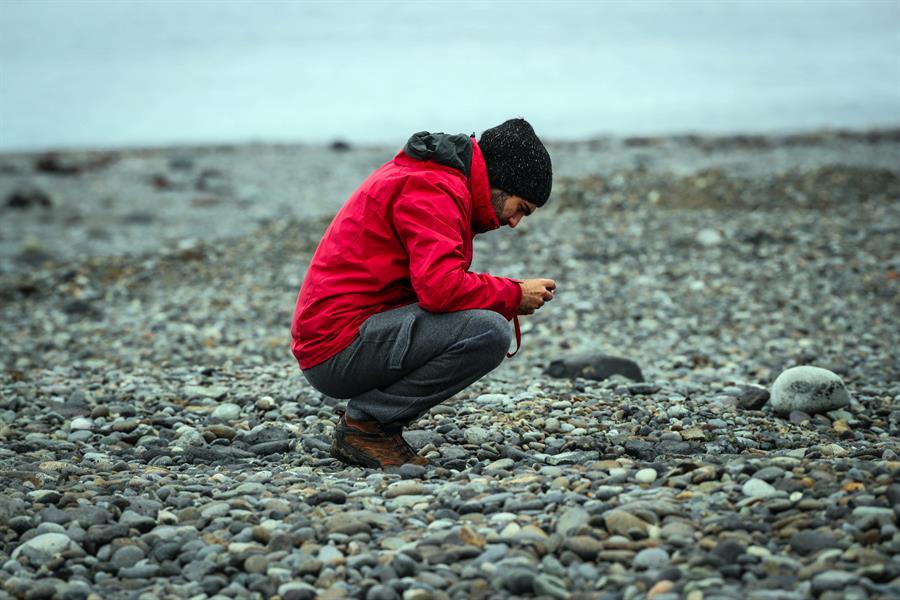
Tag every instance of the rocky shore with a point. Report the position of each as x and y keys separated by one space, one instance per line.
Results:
x=158 y=441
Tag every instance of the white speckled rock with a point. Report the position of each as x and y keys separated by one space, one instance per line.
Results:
x=809 y=389
x=43 y=546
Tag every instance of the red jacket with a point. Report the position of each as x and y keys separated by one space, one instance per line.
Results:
x=404 y=236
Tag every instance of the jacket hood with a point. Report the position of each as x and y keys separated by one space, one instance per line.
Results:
x=462 y=153
x=453 y=151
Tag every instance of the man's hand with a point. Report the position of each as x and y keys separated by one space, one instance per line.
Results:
x=535 y=292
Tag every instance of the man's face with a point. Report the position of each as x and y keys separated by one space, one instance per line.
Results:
x=511 y=209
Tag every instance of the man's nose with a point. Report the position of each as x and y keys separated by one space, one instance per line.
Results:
x=513 y=221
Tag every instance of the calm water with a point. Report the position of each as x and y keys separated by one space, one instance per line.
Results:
x=112 y=73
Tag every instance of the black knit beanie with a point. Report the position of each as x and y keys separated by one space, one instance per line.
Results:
x=517 y=161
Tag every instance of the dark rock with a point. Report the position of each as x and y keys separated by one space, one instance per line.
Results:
x=99 y=535
x=594 y=366
x=55 y=515
x=86 y=516
x=28 y=196
x=81 y=308
x=340 y=146
x=519 y=581
x=752 y=398
x=261 y=435
x=893 y=494
x=181 y=163
x=43 y=590
x=728 y=551
x=138 y=218
x=810 y=542
x=404 y=565
x=382 y=592
x=20 y=524
x=127 y=556
x=209 y=454
x=333 y=496
x=411 y=471
x=213 y=180
x=643 y=389
x=640 y=449
x=266 y=448
x=56 y=163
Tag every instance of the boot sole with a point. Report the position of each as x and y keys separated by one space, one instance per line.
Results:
x=353 y=458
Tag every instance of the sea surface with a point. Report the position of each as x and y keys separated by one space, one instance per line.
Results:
x=99 y=73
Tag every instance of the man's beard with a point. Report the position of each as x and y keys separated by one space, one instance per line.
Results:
x=498 y=199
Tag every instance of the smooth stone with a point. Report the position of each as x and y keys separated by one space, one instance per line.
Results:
x=81 y=423
x=832 y=581
x=477 y=435
x=127 y=556
x=503 y=464
x=769 y=474
x=227 y=412
x=810 y=542
x=809 y=389
x=753 y=398
x=572 y=520
x=594 y=366
x=651 y=558
x=551 y=586
x=519 y=581
x=44 y=546
x=645 y=475
x=330 y=555
x=708 y=237
x=757 y=488
x=584 y=546
x=199 y=391
x=411 y=471
x=215 y=509
x=297 y=591
x=605 y=492
x=405 y=488
x=382 y=592
x=624 y=523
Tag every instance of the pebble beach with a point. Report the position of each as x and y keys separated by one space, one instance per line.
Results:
x=157 y=439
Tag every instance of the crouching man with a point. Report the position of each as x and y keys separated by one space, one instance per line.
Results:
x=389 y=315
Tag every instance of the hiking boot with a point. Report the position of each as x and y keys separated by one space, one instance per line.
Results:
x=369 y=444
x=397 y=432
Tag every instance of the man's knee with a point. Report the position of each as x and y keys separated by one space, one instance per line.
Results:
x=493 y=330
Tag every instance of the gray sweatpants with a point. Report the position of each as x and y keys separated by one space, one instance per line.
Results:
x=407 y=360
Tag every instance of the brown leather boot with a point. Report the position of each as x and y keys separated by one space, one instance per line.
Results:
x=367 y=443
x=397 y=432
